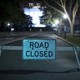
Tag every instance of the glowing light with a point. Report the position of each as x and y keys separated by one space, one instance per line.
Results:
x=35 y=13
x=53 y=25
x=12 y=29
x=8 y=24
x=56 y=21
x=65 y=16
x=40 y=25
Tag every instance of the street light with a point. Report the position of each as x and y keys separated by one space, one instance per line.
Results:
x=65 y=16
x=57 y=23
x=8 y=24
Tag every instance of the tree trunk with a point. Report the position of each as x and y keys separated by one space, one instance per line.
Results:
x=71 y=29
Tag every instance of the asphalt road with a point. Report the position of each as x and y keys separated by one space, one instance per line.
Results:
x=12 y=66
x=8 y=37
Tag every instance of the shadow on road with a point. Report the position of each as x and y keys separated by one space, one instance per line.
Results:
x=35 y=71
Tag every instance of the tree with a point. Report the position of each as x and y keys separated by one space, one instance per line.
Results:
x=13 y=10
x=49 y=16
x=10 y=10
x=68 y=7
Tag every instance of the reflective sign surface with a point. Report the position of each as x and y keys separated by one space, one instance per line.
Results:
x=39 y=49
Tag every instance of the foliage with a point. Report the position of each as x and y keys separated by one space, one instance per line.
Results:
x=68 y=7
x=49 y=15
x=12 y=11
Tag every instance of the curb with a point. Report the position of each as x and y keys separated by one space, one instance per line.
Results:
x=72 y=44
x=12 y=41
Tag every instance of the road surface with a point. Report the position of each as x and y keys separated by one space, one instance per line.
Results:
x=13 y=67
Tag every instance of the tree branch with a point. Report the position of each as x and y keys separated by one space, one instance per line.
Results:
x=53 y=7
x=58 y=3
x=62 y=2
x=75 y=11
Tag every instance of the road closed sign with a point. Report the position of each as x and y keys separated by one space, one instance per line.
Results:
x=39 y=48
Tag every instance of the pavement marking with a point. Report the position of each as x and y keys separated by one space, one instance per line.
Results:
x=77 y=58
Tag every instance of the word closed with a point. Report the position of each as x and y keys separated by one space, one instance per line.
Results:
x=39 y=49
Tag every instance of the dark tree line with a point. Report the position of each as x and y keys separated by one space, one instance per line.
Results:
x=12 y=11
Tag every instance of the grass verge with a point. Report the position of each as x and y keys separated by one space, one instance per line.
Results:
x=73 y=39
